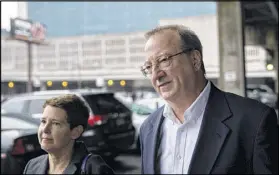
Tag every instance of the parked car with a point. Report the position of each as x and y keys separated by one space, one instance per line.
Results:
x=263 y=93
x=140 y=113
x=141 y=109
x=110 y=129
x=152 y=103
x=253 y=94
x=5 y=97
x=19 y=142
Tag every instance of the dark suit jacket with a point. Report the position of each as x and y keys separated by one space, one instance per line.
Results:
x=94 y=165
x=238 y=135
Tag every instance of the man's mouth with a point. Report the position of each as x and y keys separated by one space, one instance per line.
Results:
x=46 y=139
x=163 y=84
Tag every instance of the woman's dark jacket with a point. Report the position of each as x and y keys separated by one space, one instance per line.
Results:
x=94 y=165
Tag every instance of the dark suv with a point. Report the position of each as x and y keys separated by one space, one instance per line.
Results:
x=110 y=129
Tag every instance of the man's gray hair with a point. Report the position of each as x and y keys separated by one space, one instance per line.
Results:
x=189 y=38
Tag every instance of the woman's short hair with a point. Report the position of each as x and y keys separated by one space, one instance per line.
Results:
x=76 y=110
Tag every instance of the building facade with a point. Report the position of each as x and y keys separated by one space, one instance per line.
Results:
x=89 y=58
x=116 y=57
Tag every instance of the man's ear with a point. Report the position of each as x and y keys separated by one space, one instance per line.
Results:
x=197 y=60
x=76 y=132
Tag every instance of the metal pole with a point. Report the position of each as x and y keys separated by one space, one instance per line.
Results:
x=29 y=72
x=244 y=79
x=79 y=77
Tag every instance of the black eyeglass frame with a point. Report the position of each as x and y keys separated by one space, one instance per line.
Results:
x=168 y=58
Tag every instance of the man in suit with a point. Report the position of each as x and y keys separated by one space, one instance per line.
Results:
x=201 y=129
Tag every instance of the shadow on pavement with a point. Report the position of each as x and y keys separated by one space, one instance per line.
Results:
x=119 y=166
x=126 y=162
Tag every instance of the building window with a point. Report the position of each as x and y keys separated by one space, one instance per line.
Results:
x=136 y=50
x=137 y=59
x=119 y=61
x=91 y=52
x=46 y=64
x=113 y=51
x=68 y=47
x=63 y=63
x=91 y=44
x=140 y=41
x=46 y=55
x=6 y=54
x=119 y=42
x=252 y=52
x=91 y=63
x=45 y=49
x=20 y=65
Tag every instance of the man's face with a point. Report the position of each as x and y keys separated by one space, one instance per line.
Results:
x=54 y=131
x=172 y=81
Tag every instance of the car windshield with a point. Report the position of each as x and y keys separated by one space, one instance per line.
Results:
x=104 y=103
x=16 y=123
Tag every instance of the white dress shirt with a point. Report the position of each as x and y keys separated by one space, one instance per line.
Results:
x=177 y=140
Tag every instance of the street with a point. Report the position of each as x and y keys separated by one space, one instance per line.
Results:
x=126 y=163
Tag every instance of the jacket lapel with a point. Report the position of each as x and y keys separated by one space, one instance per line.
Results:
x=152 y=140
x=79 y=152
x=212 y=134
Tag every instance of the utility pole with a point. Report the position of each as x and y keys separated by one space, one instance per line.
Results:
x=30 y=68
x=79 y=77
x=31 y=33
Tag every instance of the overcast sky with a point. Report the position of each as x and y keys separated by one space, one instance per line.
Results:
x=8 y=10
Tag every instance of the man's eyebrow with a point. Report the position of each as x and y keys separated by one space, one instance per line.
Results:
x=56 y=120
x=157 y=57
x=147 y=62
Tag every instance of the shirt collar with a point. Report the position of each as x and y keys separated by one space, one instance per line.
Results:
x=194 y=111
x=79 y=152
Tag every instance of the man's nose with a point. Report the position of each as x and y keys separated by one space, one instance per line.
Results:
x=155 y=67
x=158 y=74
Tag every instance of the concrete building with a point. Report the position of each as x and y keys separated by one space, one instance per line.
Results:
x=88 y=53
x=92 y=58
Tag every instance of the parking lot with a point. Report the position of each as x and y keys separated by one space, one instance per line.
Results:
x=126 y=163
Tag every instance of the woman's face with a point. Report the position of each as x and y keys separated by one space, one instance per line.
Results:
x=54 y=131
